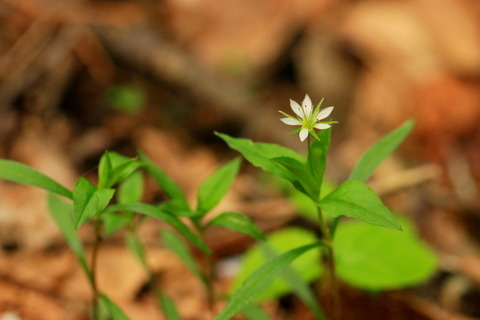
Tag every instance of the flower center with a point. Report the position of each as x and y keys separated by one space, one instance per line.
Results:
x=308 y=123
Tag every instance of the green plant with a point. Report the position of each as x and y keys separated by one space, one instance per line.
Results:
x=115 y=203
x=341 y=249
x=349 y=251
x=87 y=202
x=209 y=194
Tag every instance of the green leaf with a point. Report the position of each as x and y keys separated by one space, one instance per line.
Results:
x=305 y=206
x=131 y=189
x=174 y=243
x=101 y=313
x=165 y=182
x=255 y=312
x=137 y=248
x=158 y=213
x=214 y=188
x=298 y=285
x=307 y=266
x=378 y=259
x=237 y=222
x=356 y=200
x=260 y=154
x=301 y=178
x=62 y=214
x=127 y=98
x=113 y=221
x=104 y=170
x=317 y=159
x=20 y=173
x=123 y=167
x=113 y=309
x=178 y=208
x=168 y=307
x=259 y=280
x=379 y=151
x=88 y=201
x=113 y=168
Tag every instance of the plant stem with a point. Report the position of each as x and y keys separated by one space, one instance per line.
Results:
x=330 y=263
x=140 y=255
x=329 y=258
x=93 y=268
x=208 y=272
x=210 y=285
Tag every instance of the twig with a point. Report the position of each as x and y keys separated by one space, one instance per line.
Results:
x=460 y=175
x=405 y=178
x=150 y=53
x=80 y=12
x=22 y=64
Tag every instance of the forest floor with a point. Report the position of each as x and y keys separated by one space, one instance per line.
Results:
x=81 y=77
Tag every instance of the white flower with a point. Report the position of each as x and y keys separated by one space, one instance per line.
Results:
x=307 y=118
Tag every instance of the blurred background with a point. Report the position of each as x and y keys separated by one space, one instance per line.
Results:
x=78 y=77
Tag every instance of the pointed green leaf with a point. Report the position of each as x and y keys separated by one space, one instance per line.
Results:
x=104 y=170
x=131 y=189
x=62 y=214
x=259 y=280
x=178 y=208
x=115 y=312
x=214 y=188
x=113 y=221
x=158 y=213
x=255 y=312
x=302 y=179
x=174 y=243
x=101 y=313
x=114 y=168
x=299 y=286
x=165 y=182
x=124 y=170
x=88 y=201
x=374 y=258
x=137 y=248
x=379 y=151
x=237 y=222
x=304 y=205
x=260 y=154
x=356 y=200
x=20 y=173
x=317 y=158
x=307 y=266
x=168 y=307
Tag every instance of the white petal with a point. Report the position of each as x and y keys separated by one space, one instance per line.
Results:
x=307 y=106
x=322 y=126
x=324 y=113
x=303 y=134
x=291 y=121
x=296 y=108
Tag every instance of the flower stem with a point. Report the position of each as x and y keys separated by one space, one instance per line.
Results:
x=329 y=260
